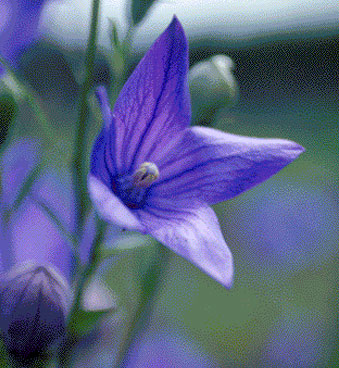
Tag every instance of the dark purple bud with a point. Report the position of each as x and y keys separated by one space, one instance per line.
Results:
x=33 y=307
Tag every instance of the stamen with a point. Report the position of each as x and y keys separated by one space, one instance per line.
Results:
x=147 y=173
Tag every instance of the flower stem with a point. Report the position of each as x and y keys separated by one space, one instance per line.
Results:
x=79 y=154
x=150 y=288
x=92 y=264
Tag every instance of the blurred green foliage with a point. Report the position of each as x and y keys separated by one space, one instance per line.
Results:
x=8 y=112
x=139 y=8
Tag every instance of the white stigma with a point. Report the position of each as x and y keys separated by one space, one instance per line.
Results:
x=147 y=173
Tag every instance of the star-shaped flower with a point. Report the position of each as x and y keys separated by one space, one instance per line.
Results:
x=151 y=172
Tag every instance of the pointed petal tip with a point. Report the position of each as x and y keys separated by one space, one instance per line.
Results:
x=198 y=239
x=175 y=21
x=294 y=149
x=228 y=283
x=297 y=147
x=227 y=278
x=225 y=281
x=300 y=148
x=176 y=25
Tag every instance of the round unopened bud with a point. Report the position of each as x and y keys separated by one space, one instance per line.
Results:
x=33 y=307
x=212 y=86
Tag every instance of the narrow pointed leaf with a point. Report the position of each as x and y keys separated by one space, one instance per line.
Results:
x=25 y=189
x=86 y=321
x=57 y=221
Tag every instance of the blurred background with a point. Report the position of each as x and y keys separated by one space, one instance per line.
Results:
x=283 y=308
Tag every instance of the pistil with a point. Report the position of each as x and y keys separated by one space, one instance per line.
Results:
x=147 y=173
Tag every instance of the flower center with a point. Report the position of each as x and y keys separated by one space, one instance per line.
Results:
x=132 y=189
x=147 y=173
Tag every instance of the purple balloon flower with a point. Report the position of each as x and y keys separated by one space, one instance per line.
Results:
x=32 y=235
x=151 y=172
x=35 y=260
x=18 y=25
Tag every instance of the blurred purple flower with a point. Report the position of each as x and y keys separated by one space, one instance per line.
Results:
x=299 y=340
x=291 y=225
x=163 y=347
x=151 y=172
x=18 y=26
x=34 y=259
x=167 y=349
x=32 y=235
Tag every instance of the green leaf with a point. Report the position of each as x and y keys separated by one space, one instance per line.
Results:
x=127 y=245
x=114 y=36
x=55 y=219
x=86 y=321
x=118 y=59
x=8 y=112
x=23 y=92
x=24 y=190
x=5 y=361
x=139 y=8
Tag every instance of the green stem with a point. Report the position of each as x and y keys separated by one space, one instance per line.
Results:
x=84 y=279
x=79 y=154
x=79 y=172
x=150 y=288
x=93 y=262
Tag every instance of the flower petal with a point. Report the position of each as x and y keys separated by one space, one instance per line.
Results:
x=110 y=207
x=18 y=27
x=194 y=235
x=179 y=351
x=214 y=166
x=154 y=104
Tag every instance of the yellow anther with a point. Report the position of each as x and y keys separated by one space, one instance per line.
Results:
x=147 y=173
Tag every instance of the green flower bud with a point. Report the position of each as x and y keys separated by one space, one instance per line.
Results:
x=212 y=86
